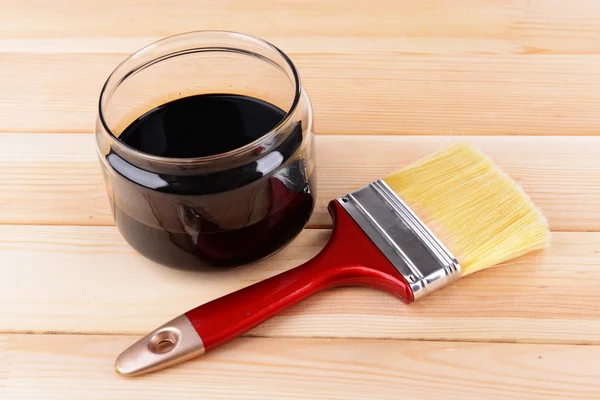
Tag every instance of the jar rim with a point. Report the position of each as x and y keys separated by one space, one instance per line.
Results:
x=238 y=152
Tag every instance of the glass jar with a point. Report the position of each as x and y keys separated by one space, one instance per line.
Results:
x=221 y=210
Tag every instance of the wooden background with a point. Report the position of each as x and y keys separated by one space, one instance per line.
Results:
x=391 y=80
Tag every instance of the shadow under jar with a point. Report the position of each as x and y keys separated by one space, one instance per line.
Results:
x=207 y=148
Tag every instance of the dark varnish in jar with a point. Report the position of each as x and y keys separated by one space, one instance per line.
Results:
x=216 y=219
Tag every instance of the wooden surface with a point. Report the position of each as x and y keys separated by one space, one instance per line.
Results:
x=390 y=82
x=79 y=367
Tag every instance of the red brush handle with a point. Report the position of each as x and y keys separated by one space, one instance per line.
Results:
x=350 y=258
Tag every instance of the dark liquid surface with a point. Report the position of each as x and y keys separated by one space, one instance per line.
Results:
x=200 y=126
x=223 y=219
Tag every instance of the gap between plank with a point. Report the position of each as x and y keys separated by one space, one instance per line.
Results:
x=316 y=337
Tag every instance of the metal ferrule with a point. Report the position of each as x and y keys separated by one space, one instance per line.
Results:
x=425 y=263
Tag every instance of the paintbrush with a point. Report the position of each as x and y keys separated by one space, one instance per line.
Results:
x=417 y=230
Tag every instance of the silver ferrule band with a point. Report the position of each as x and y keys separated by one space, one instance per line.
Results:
x=425 y=263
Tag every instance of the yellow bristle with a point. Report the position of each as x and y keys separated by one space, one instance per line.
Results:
x=480 y=214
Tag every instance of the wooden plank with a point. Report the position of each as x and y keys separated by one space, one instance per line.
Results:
x=87 y=280
x=56 y=178
x=51 y=178
x=80 y=367
x=334 y=18
x=538 y=26
x=353 y=92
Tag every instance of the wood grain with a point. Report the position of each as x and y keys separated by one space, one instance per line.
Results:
x=353 y=92
x=539 y=25
x=87 y=280
x=56 y=179
x=80 y=367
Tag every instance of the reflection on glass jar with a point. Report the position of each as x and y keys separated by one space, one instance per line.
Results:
x=186 y=189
